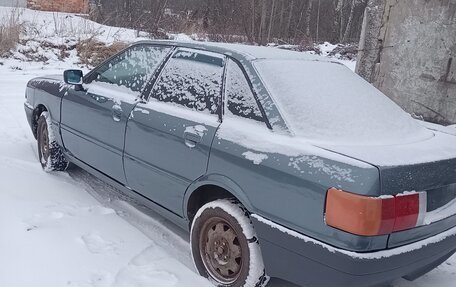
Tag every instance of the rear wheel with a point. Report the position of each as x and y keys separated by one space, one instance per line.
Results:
x=49 y=152
x=225 y=247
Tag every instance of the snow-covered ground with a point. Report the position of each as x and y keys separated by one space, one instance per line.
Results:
x=70 y=229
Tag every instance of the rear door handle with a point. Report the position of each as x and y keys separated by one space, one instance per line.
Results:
x=117 y=113
x=192 y=139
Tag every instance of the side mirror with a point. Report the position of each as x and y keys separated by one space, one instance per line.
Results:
x=73 y=77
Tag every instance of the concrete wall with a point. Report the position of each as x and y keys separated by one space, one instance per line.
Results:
x=13 y=3
x=71 y=6
x=408 y=51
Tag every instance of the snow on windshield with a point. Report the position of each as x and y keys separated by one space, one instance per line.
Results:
x=326 y=102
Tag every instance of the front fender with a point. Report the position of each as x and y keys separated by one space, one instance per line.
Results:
x=47 y=95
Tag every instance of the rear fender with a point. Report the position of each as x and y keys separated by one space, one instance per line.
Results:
x=222 y=182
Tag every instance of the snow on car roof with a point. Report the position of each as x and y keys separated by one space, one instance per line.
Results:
x=330 y=104
x=249 y=52
x=261 y=52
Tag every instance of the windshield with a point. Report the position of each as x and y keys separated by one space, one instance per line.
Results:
x=326 y=102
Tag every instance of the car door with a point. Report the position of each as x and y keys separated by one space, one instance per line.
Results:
x=94 y=117
x=168 y=139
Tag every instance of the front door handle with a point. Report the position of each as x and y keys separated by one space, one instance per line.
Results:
x=99 y=99
x=192 y=139
x=117 y=113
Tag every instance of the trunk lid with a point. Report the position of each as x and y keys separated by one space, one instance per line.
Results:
x=419 y=166
x=428 y=165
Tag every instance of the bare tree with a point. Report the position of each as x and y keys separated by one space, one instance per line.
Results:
x=350 y=20
x=282 y=9
x=308 y=18
x=271 y=20
x=259 y=21
x=339 y=20
x=253 y=19
x=290 y=16
x=318 y=21
x=264 y=12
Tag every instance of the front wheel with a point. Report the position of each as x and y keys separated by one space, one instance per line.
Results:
x=49 y=152
x=225 y=247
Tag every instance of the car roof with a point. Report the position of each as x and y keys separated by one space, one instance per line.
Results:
x=240 y=51
x=246 y=55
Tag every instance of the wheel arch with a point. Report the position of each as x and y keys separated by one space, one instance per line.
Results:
x=210 y=188
x=39 y=109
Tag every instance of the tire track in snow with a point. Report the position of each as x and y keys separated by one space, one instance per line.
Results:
x=169 y=245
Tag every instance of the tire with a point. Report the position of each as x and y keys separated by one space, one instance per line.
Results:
x=224 y=246
x=49 y=152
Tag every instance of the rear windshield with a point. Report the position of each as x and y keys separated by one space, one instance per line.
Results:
x=326 y=102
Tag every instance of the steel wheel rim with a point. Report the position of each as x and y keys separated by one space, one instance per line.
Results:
x=44 y=144
x=220 y=251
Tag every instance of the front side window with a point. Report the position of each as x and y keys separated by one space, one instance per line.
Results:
x=240 y=99
x=191 y=79
x=131 y=69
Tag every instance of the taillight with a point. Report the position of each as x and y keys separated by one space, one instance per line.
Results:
x=371 y=216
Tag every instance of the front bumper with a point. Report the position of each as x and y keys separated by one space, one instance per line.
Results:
x=301 y=260
x=29 y=113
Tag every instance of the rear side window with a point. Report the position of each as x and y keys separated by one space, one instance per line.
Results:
x=239 y=97
x=191 y=79
x=131 y=69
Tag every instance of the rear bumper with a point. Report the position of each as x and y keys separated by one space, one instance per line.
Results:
x=304 y=261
